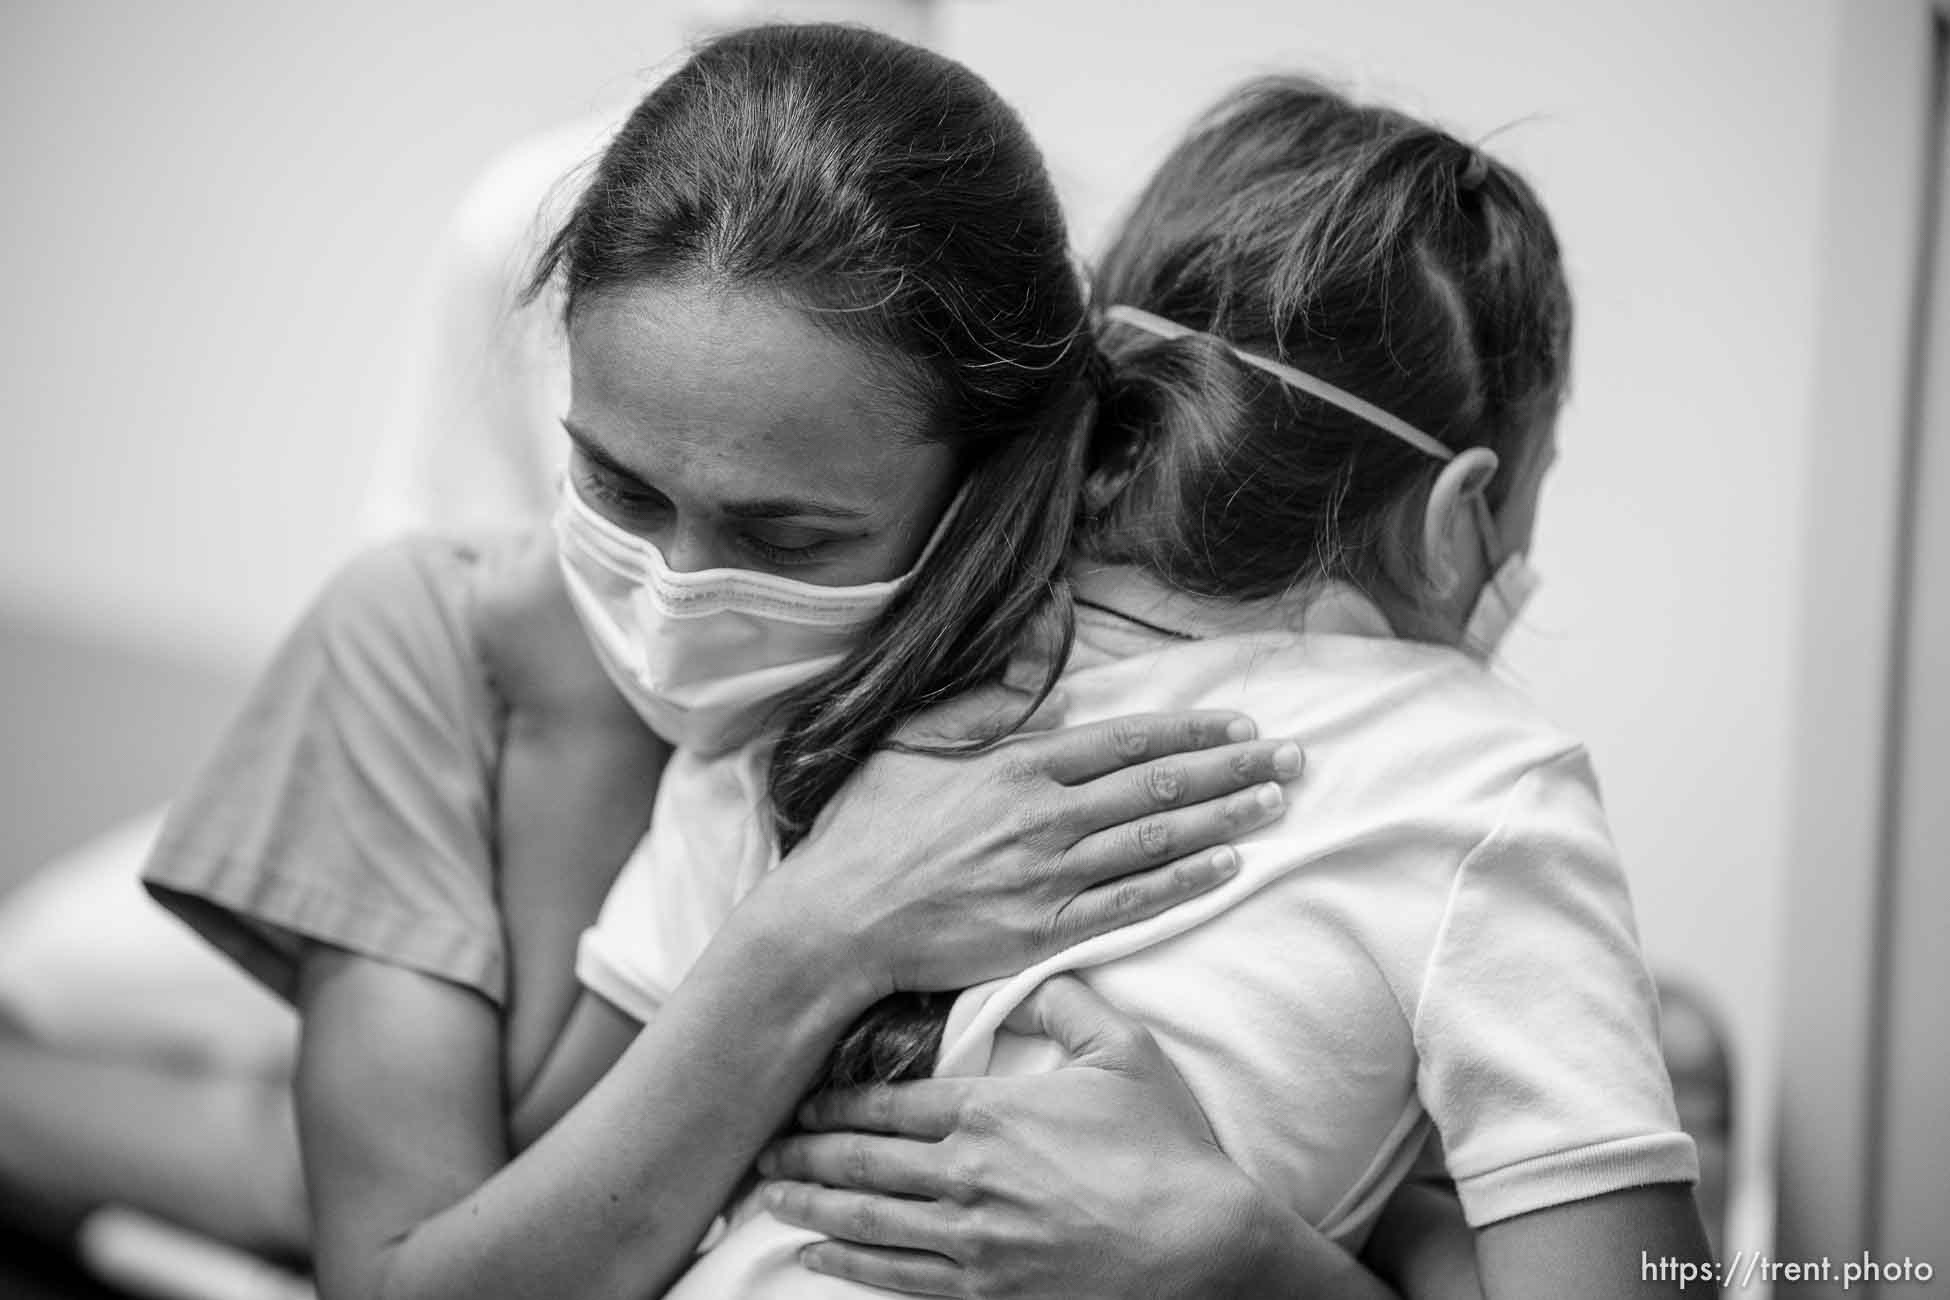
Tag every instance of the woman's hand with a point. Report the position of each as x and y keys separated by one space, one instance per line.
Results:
x=936 y=871
x=1101 y=1179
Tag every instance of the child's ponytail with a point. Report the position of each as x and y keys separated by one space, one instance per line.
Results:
x=1356 y=244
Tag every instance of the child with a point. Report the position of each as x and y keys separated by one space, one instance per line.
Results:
x=1339 y=339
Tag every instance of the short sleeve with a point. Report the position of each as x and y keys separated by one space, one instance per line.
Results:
x=1537 y=1023
x=351 y=803
x=707 y=847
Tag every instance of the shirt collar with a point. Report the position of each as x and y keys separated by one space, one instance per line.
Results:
x=1325 y=609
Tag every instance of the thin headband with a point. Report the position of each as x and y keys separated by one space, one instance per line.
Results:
x=1286 y=374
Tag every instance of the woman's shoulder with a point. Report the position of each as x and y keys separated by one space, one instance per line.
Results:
x=404 y=575
x=350 y=801
x=425 y=592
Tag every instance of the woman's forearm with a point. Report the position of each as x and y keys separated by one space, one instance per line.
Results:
x=1281 y=1254
x=613 y=1199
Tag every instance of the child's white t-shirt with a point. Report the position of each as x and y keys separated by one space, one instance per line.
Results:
x=1435 y=936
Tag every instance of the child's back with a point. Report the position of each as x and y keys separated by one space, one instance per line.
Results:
x=1437 y=931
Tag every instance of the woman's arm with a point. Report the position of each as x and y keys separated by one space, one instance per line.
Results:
x=401 y=1115
x=1101 y=1179
x=981 y=865
x=592 y=1040
x=574 y=780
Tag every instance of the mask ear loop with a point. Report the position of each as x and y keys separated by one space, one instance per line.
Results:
x=1385 y=421
x=1486 y=530
x=1292 y=378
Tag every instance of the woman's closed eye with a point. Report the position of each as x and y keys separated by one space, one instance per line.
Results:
x=628 y=501
x=786 y=547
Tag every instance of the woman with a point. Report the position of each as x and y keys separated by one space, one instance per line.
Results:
x=846 y=275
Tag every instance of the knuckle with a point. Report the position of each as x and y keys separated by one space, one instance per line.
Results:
x=856 y=1162
x=967 y=1180
x=1027 y=816
x=976 y=1117
x=1126 y=898
x=1130 y=740
x=1165 y=783
x=877 y=1105
x=1244 y=764
x=1153 y=838
x=864 y=1222
x=1016 y=767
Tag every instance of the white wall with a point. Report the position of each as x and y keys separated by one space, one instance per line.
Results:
x=214 y=216
x=215 y=212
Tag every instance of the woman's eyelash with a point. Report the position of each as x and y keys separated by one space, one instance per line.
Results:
x=609 y=492
x=601 y=486
x=781 y=554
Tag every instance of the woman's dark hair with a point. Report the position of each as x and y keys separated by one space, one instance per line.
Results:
x=892 y=197
x=1353 y=242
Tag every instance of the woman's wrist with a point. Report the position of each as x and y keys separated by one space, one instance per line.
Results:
x=1272 y=1251
x=1251 y=1253
x=811 y=953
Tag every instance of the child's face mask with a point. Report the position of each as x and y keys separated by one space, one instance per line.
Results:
x=1511 y=584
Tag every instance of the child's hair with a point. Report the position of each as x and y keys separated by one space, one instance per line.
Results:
x=1369 y=249
x=889 y=194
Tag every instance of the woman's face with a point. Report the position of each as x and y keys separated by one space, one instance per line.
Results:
x=732 y=432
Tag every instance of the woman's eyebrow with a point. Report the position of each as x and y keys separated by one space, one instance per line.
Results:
x=762 y=508
x=786 y=507
x=598 y=457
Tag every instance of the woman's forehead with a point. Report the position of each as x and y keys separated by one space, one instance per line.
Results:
x=730 y=396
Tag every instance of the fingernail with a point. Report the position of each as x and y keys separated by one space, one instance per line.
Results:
x=1286 y=760
x=1270 y=797
x=773 y=1195
x=1241 y=729
x=1223 y=862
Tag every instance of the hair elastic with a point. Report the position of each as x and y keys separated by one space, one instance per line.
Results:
x=1286 y=374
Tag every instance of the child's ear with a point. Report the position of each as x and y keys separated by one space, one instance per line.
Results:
x=1448 y=524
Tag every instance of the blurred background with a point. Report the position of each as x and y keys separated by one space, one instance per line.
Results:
x=219 y=215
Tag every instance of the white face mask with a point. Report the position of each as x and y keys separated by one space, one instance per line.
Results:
x=704 y=656
x=1512 y=582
